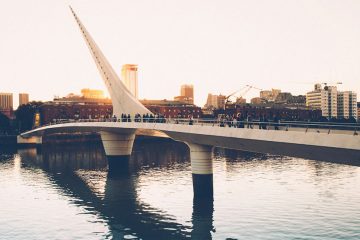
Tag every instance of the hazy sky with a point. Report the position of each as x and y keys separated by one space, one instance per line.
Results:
x=219 y=46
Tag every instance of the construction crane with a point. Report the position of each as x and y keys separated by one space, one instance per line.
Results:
x=326 y=83
x=245 y=90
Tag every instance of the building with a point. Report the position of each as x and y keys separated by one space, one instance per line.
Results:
x=347 y=106
x=256 y=100
x=52 y=111
x=240 y=100
x=172 y=109
x=6 y=101
x=211 y=102
x=87 y=96
x=91 y=104
x=92 y=93
x=129 y=76
x=186 y=94
x=23 y=98
x=358 y=111
x=333 y=103
x=271 y=111
x=323 y=99
x=269 y=95
x=353 y=106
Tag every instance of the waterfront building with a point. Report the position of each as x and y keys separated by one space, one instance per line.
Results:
x=358 y=111
x=91 y=104
x=23 y=98
x=172 y=109
x=51 y=111
x=129 y=76
x=270 y=111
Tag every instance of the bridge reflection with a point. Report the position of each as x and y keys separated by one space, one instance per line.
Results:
x=81 y=172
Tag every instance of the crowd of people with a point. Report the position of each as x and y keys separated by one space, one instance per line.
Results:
x=240 y=121
x=156 y=118
x=233 y=121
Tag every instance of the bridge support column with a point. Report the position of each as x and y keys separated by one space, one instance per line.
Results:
x=118 y=149
x=202 y=170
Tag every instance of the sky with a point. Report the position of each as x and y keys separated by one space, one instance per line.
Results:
x=219 y=46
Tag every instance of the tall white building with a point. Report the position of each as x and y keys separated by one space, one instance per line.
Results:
x=333 y=103
x=129 y=76
x=347 y=105
x=318 y=99
x=6 y=101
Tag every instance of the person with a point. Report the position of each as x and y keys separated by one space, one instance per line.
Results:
x=191 y=121
x=249 y=121
x=234 y=122
x=128 y=118
x=276 y=122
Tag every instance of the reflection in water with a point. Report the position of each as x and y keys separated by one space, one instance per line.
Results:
x=65 y=191
x=81 y=170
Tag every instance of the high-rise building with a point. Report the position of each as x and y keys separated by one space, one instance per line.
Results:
x=215 y=101
x=23 y=98
x=324 y=99
x=187 y=93
x=347 y=105
x=333 y=103
x=211 y=102
x=6 y=101
x=221 y=100
x=129 y=76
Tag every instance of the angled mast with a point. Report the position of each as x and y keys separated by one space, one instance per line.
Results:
x=122 y=99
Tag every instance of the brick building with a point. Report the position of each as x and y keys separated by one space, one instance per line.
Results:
x=270 y=111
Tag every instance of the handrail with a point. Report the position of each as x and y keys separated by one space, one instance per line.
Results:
x=265 y=125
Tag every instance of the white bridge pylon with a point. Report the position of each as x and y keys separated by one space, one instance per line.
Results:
x=123 y=100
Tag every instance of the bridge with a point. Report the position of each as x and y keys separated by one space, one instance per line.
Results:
x=320 y=142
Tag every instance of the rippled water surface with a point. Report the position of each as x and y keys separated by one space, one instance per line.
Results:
x=66 y=192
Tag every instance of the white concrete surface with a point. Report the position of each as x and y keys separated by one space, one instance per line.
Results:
x=311 y=145
x=116 y=144
x=201 y=158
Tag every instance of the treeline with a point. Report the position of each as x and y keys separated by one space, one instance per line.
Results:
x=23 y=121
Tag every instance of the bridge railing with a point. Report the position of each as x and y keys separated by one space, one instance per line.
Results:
x=344 y=128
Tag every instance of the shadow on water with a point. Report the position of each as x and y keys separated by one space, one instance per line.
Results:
x=74 y=168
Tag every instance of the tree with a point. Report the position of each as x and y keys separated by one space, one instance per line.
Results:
x=25 y=115
x=5 y=126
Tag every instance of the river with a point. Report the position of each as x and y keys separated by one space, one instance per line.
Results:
x=64 y=191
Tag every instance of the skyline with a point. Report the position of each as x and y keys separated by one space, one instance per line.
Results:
x=199 y=49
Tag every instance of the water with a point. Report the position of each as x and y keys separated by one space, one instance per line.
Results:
x=65 y=192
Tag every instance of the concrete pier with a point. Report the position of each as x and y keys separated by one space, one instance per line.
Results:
x=202 y=170
x=118 y=149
